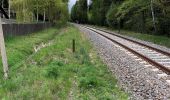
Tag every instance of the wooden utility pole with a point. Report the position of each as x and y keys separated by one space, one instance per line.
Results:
x=74 y=47
x=3 y=52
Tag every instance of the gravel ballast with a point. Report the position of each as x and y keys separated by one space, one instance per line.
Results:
x=133 y=77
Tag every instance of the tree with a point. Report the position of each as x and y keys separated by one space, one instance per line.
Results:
x=98 y=11
x=162 y=16
x=79 y=12
x=29 y=10
x=151 y=16
x=74 y=16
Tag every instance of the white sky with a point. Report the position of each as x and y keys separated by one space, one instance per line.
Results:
x=72 y=2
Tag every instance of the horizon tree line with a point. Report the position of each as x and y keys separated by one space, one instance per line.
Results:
x=38 y=10
x=144 y=16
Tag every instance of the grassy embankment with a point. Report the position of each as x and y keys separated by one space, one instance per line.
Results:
x=55 y=72
x=160 y=40
x=157 y=39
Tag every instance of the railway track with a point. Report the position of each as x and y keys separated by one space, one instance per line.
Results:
x=149 y=56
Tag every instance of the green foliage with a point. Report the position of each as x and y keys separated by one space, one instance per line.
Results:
x=85 y=58
x=111 y=17
x=27 y=10
x=133 y=15
x=79 y=12
x=88 y=79
x=25 y=44
x=52 y=71
x=160 y=40
x=88 y=82
x=99 y=10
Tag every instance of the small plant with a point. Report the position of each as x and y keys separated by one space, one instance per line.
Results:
x=10 y=85
x=85 y=57
x=52 y=72
x=88 y=70
x=88 y=82
x=58 y=63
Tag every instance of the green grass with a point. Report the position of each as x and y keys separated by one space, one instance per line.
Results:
x=160 y=40
x=56 y=73
x=19 y=48
x=156 y=39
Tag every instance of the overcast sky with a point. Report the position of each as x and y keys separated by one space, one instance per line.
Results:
x=72 y=2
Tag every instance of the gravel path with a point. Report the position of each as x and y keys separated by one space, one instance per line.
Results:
x=133 y=76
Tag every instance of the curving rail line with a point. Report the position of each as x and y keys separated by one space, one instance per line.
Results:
x=154 y=56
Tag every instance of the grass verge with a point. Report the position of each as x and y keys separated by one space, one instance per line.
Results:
x=156 y=39
x=160 y=40
x=56 y=73
x=20 y=47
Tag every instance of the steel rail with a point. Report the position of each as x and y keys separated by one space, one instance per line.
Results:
x=152 y=62
x=150 y=47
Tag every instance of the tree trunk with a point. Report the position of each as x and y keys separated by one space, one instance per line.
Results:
x=143 y=22
x=153 y=16
x=37 y=13
x=44 y=16
x=9 y=9
x=3 y=8
x=24 y=12
x=33 y=17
